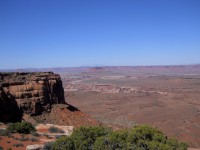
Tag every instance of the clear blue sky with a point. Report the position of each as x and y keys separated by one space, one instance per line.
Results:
x=70 y=33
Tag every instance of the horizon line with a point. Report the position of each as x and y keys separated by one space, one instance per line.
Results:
x=98 y=66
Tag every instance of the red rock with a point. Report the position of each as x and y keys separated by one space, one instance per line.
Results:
x=19 y=93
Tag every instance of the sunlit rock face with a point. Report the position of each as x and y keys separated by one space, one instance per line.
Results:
x=30 y=93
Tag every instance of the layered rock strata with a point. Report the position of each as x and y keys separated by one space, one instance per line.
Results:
x=30 y=93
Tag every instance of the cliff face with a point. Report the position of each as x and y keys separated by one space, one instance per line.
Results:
x=30 y=93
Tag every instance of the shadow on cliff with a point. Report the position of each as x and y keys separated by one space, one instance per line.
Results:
x=72 y=108
x=9 y=110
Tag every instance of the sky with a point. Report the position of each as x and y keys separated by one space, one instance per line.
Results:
x=75 y=33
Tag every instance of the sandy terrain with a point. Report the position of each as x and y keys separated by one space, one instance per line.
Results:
x=167 y=98
x=16 y=143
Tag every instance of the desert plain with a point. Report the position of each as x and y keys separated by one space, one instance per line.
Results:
x=166 y=97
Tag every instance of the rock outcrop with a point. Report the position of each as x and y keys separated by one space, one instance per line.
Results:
x=38 y=98
x=35 y=147
x=30 y=93
x=106 y=88
x=103 y=88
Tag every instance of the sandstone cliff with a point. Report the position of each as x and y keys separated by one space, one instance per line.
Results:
x=30 y=93
x=38 y=98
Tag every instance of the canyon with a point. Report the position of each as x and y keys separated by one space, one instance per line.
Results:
x=166 y=97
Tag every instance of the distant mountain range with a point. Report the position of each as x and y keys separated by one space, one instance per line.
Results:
x=195 y=68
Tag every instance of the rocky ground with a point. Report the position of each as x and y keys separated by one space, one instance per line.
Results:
x=22 y=141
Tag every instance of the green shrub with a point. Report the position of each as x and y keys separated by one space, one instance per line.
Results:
x=55 y=130
x=84 y=137
x=64 y=143
x=115 y=140
x=97 y=138
x=48 y=146
x=23 y=138
x=176 y=145
x=21 y=127
x=4 y=132
x=11 y=136
x=146 y=133
x=149 y=138
x=33 y=139
x=101 y=143
x=16 y=138
x=35 y=134
x=18 y=145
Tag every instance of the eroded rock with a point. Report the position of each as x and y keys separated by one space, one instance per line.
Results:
x=30 y=93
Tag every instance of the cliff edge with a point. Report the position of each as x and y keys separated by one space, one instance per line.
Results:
x=38 y=95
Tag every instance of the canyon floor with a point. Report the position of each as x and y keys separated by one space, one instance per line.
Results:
x=166 y=97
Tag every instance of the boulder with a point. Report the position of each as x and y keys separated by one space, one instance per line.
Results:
x=35 y=147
